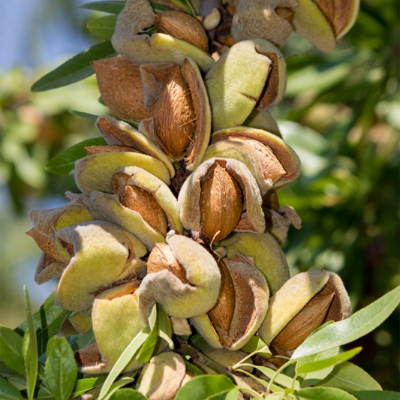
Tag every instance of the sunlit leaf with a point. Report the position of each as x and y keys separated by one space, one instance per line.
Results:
x=124 y=360
x=127 y=394
x=75 y=69
x=86 y=384
x=318 y=365
x=349 y=377
x=323 y=393
x=352 y=328
x=281 y=379
x=373 y=395
x=164 y=326
x=207 y=387
x=61 y=369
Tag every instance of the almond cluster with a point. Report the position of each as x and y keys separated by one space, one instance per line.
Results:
x=183 y=211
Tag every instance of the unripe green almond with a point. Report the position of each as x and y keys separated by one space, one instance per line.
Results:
x=310 y=23
x=252 y=73
x=267 y=254
x=81 y=322
x=261 y=119
x=116 y=321
x=103 y=254
x=138 y=15
x=94 y=172
x=180 y=299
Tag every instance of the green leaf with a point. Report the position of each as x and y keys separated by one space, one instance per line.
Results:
x=206 y=387
x=11 y=349
x=192 y=369
x=127 y=394
x=164 y=326
x=327 y=362
x=83 y=385
x=75 y=69
x=84 y=340
x=61 y=369
x=48 y=321
x=117 y=385
x=320 y=393
x=124 y=360
x=147 y=350
x=280 y=379
x=350 y=329
x=29 y=349
x=64 y=163
x=372 y=395
x=8 y=391
x=321 y=374
x=112 y=7
x=255 y=344
x=84 y=115
x=102 y=28
x=115 y=7
x=349 y=377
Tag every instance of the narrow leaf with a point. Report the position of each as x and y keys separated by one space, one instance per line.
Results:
x=146 y=351
x=83 y=340
x=164 y=326
x=111 y=7
x=192 y=369
x=372 y=395
x=84 y=115
x=102 y=28
x=8 y=391
x=117 y=385
x=115 y=7
x=323 y=393
x=350 y=329
x=11 y=349
x=64 y=163
x=84 y=385
x=75 y=69
x=255 y=344
x=127 y=394
x=327 y=362
x=29 y=349
x=124 y=360
x=350 y=377
x=47 y=320
x=206 y=387
x=61 y=369
x=281 y=379
x=321 y=374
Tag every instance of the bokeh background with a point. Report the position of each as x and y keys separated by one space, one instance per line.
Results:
x=341 y=114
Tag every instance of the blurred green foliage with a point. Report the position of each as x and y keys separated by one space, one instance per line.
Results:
x=341 y=113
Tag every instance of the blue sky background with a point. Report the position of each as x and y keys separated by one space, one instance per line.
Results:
x=37 y=32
